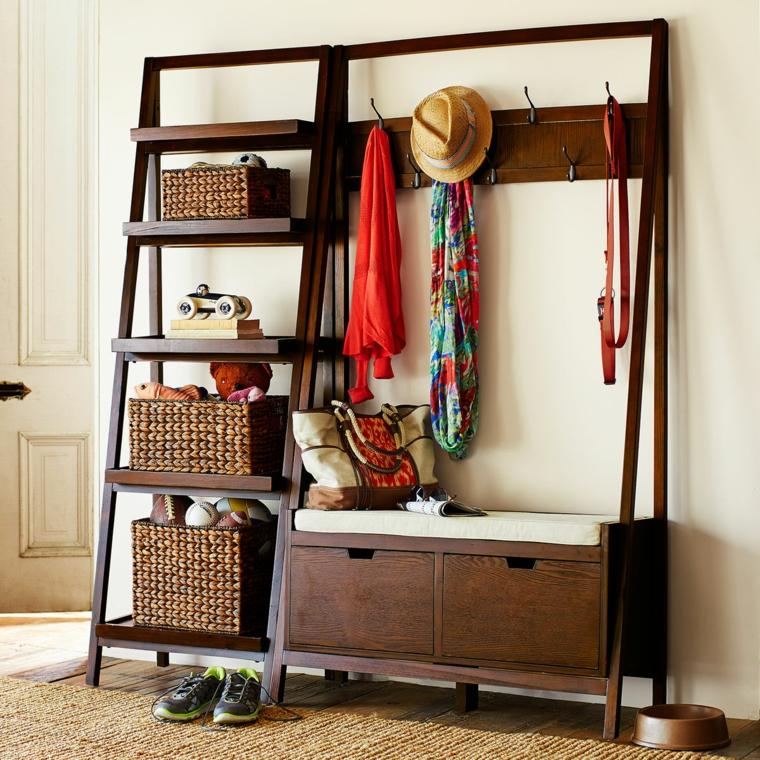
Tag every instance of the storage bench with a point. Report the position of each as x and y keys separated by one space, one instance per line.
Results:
x=410 y=593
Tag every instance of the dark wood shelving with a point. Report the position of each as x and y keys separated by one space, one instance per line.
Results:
x=275 y=350
x=218 y=232
x=286 y=134
x=144 y=481
x=124 y=633
x=622 y=626
x=145 y=229
x=157 y=348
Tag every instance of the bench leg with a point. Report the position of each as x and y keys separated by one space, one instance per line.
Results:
x=466 y=697
x=337 y=676
x=660 y=689
x=162 y=659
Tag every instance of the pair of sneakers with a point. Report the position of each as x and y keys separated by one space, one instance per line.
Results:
x=240 y=700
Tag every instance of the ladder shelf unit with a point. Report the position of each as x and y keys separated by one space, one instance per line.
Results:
x=145 y=236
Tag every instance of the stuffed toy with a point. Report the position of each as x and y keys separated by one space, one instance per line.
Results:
x=247 y=395
x=156 y=390
x=231 y=377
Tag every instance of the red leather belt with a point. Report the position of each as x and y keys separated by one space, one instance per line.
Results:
x=616 y=169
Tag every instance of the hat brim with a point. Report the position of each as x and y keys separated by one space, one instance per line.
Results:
x=476 y=154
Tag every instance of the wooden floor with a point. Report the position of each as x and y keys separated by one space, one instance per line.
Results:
x=52 y=648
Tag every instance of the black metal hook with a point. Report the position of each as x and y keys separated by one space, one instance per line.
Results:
x=571 y=173
x=610 y=109
x=417 y=181
x=532 y=114
x=491 y=178
x=380 y=120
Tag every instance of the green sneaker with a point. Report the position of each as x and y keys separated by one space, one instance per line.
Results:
x=189 y=700
x=241 y=698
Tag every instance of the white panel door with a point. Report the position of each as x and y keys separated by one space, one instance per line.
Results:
x=47 y=87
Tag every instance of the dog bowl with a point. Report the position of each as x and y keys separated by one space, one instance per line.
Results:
x=681 y=727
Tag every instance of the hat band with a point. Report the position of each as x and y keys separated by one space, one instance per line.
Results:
x=462 y=151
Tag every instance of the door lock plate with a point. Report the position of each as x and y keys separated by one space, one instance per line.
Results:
x=13 y=390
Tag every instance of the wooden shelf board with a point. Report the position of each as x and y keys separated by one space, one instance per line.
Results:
x=124 y=632
x=145 y=481
x=283 y=231
x=286 y=134
x=199 y=493
x=157 y=348
x=275 y=350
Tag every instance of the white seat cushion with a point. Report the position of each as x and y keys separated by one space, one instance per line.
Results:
x=539 y=527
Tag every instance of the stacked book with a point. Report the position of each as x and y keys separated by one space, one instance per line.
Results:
x=247 y=329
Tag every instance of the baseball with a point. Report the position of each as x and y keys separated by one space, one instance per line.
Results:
x=202 y=514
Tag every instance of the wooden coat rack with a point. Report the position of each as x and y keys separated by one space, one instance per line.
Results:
x=520 y=152
x=635 y=643
x=629 y=565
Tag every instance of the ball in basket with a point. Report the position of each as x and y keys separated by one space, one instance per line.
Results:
x=169 y=509
x=234 y=520
x=256 y=509
x=202 y=514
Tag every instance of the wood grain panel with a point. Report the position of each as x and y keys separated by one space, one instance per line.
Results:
x=384 y=603
x=545 y=616
x=519 y=151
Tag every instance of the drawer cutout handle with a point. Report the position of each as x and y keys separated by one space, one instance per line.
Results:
x=521 y=563
x=360 y=553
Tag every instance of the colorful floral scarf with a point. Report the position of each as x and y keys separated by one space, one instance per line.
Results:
x=454 y=317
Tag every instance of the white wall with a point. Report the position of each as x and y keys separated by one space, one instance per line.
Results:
x=551 y=434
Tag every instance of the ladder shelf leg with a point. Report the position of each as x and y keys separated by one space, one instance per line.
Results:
x=311 y=295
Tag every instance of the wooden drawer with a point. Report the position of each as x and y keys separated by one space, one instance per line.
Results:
x=361 y=599
x=547 y=613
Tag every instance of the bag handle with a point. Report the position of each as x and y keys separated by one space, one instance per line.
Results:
x=343 y=411
x=349 y=428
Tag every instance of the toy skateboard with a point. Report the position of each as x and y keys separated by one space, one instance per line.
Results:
x=202 y=303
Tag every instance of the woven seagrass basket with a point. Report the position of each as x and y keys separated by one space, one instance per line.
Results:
x=225 y=192
x=216 y=437
x=202 y=579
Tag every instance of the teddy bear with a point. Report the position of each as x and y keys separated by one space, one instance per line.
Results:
x=232 y=376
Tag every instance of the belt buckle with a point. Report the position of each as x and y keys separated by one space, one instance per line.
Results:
x=600 y=302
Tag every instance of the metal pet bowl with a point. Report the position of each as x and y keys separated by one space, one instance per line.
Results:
x=681 y=727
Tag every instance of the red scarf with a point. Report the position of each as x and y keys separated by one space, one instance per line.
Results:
x=376 y=320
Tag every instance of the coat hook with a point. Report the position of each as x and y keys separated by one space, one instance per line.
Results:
x=571 y=173
x=491 y=178
x=610 y=109
x=532 y=114
x=380 y=120
x=417 y=181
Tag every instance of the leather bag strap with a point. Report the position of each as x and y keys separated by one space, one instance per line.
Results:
x=616 y=168
x=350 y=433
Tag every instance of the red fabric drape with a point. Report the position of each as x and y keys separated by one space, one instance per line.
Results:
x=376 y=320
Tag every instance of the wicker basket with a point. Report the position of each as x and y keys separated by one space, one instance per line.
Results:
x=202 y=579
x=225 y=192
x=215 y=437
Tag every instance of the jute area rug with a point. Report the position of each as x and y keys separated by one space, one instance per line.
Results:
x=75 y=723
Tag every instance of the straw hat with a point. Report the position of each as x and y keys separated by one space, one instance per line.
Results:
x=451 y=129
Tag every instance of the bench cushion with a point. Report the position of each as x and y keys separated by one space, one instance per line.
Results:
x=539 y=527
